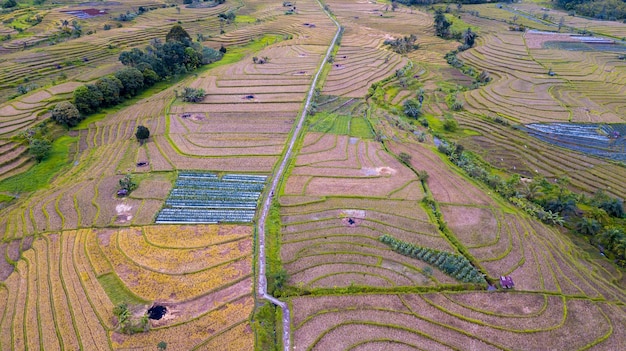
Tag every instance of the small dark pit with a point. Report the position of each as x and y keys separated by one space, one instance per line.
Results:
x=351 y=221
x=142 y=164
x=157 y=312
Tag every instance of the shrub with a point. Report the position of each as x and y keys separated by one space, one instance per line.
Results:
x=404 y=157
x=192 y=94
x=450 y=125
x=65 y=113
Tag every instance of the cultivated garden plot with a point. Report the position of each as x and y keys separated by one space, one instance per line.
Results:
x=518 y=152
x=205 y=198
x=70 y=304
x=359 y=62
x=607 y=141
x=342 y=165
x=443 y=321
x=335 y=243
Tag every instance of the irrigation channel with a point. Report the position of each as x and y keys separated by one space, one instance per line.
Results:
x=262 y=283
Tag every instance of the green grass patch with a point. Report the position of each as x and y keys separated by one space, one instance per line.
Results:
x=40 y=175
x=333 y=123
x=458 y=25
x=360 y=128
x=118 y=292
x=245 y=19
x=6 y=198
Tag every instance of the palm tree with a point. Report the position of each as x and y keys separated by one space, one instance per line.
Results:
x=532 y=191
x=609 y=237
x=588 y=226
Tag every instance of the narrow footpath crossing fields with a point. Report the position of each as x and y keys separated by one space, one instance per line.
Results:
x=374 y=240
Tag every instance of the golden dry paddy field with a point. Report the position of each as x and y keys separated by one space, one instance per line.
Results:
x=72 y=250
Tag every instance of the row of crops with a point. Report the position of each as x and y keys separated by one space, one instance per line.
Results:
x=453 y=265
x=601 y=140
x=207 y=198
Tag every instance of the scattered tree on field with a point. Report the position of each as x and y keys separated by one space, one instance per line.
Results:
x=412 y=108
x=403 y=45
x=469 y=37
x=142 y=134
x=162 y=346
x=422 y=176
x=450 y=125
x=65 y=113
x=192 y=94
x=127 y=183
x=404 y=157
x=122 y=313
x=39 y=149
x=442 y=25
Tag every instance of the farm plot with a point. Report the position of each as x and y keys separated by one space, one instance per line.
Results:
x=335 y=243
x=359 y=62
x=205 y=198
x=521 y=87
x=518 y=152
x=606 y=141
x=341 y=165
x=454 y=321
x=69 y=304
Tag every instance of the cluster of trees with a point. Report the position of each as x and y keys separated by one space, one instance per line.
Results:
x=192 y=94
x=39 y=146
x=601 y=218
x=178 y=55
x=455 y=266
x=430 y=2
x=403 y=45
x=158 y=61
x=600 y=9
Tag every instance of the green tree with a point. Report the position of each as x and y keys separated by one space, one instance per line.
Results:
x=65 y=113
x=442 y=25
x=131 y=79
x=404 y=157
x=588 y=226
x=469 y=37
x=122 y=313
x=192 y=94
x=39 y=149
x=178 y=33
x=450 y=125
x=87 y=98
x=412 y=108
x=162 y=346
x=7 y=4
x=127 y=183
x=142 y=134
x=111 y=88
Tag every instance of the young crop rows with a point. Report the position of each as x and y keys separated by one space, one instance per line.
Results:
x=205 y=198
x=599 y=140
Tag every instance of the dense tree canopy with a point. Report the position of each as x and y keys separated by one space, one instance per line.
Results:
x=87 y=98
x=111 y=89
x=131 y=79
x=179 y=34
x=65 y=113
x=601 y=9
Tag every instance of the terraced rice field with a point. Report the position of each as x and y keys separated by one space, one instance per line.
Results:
x=454 y=321
x=62 y=294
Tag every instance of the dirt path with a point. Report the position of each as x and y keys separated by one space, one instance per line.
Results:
x=262 y=283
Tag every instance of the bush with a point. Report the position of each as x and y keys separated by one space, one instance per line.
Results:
x=65 y=113
x=39 y=149
x=192 y=94
x=404 y=157
x=450 y=125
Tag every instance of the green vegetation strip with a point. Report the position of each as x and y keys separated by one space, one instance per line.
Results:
x=455 y=266
x=117 y=291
